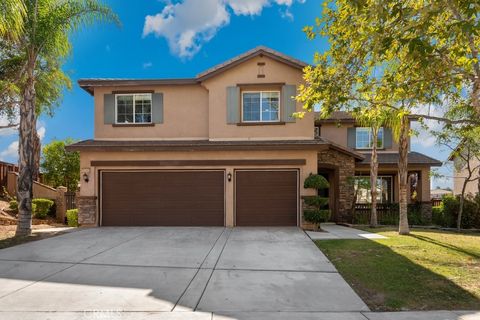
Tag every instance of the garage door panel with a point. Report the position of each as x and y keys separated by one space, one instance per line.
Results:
x=191 y=198
x=266 y=198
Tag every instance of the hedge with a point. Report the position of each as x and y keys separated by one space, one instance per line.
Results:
x=42 y=207
x=72 y=217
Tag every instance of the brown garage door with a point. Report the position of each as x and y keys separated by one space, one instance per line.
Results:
x=266 y=198
x=160 y=198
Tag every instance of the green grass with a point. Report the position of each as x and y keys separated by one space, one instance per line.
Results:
x=427 y=270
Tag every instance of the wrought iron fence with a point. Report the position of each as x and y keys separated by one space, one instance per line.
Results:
x=70 y=200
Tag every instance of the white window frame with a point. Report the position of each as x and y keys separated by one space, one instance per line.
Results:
x=133 y=95
x=262 y=91
x=369 y=138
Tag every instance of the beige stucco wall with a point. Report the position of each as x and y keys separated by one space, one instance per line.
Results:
x=338 y=134
x=246 y=73
x=39 y=190
x=459 y=178
x=185 y=114
x=199 y=111
x=91 y=188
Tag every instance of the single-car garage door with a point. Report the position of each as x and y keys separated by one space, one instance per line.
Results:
x=162 y=198
x=266 y=198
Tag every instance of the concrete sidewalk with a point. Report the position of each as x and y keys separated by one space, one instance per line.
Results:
x=118 y=315
x=334 y=231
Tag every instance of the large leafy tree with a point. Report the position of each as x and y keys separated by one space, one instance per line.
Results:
x=41 y=41
x=399 y=55
x=59 y=167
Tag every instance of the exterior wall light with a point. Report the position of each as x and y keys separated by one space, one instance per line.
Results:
x=85 y=177
x=229 y=176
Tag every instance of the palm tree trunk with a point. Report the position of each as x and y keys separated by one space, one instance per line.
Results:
x=26 y=145
x=403 y=227
x=373 y=179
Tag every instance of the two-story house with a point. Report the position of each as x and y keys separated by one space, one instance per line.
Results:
x=222 y=149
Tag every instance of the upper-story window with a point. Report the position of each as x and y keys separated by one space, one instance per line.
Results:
x=133 y=108
x=260 y=106
x=364 y=138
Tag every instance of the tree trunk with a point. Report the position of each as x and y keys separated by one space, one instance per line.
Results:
x=403 y=227
x=37 y=152
x=26 y=146
x=373 y=179
x=462 y=201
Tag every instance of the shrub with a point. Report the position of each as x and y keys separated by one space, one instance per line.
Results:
x=42 y=207
x=450 y=208
x=13 y=205
x=72 y=217
x=316 y=216
x=316 y=201
x=437 y=216
x=316 y=181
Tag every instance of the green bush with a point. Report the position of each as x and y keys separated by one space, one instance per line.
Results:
x=13 y=205
x=42 y=207
x=437 y=216
x=72 y=217
x=316 y=201
x=316 y=216
x=316 y=181
x=450 y=208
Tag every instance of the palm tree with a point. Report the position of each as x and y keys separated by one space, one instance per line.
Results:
x=399 y=121
x=43 y=37
x=375 y=118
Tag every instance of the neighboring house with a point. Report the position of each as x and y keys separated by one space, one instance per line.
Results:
x=438 y=193
x=222 y=149
x=460 y=172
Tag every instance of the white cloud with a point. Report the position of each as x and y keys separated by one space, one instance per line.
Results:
x=11 y=152
x=188 y=24
x=7 y=131
x=147 y=65
x=41 y=132
x=425 y=137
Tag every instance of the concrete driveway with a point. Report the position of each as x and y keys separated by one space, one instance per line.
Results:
x=171 y=270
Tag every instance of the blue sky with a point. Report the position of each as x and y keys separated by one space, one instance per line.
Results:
x=176 y=39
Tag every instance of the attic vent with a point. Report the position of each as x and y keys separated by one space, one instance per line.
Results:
x=261 y=72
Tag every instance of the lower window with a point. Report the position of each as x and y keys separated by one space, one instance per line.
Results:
x=384 y=189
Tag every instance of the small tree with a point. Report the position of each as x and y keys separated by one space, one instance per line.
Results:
x=465 y=156
x=317 y=212
x=61 y=168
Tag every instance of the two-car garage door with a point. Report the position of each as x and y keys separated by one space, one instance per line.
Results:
x=197 y=198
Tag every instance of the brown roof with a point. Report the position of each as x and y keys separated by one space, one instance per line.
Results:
x=88 y=84
x=336 y=116
x=392 y=158
x=190 y=145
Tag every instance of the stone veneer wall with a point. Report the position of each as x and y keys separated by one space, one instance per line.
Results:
x=346 y=169
x=87 y=207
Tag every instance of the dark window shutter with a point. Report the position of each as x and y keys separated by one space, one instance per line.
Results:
x=157 y=107
x=288 y=103
x=351 y=137
x=387 y=138
x=233 y=105
x=109 y=109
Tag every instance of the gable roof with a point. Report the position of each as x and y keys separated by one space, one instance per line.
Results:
x=89 y=84
x=255 y=52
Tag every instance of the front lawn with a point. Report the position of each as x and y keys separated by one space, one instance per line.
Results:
x=426 y=270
